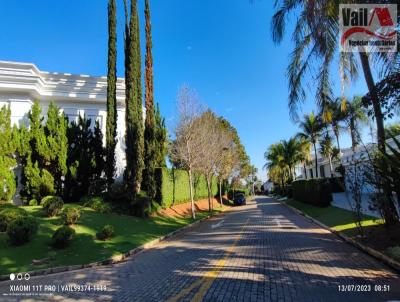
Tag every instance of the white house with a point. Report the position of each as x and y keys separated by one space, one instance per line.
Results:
x=23 y=83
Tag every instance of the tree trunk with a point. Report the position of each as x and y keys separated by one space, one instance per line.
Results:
x=220 y=192
x=388 y=208
x=336 y=132
x=191 y=193
x=305 y=170
x=330 y=167
x=209 y=194
x=316 y=160
x=374 y=98
x=353 y=134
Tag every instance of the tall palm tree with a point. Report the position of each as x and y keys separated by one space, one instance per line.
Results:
x=311 y=128
x=334 y=114
x=355 y=118
x=277 y=168
x=327 y=149
x=305 y=154
x=316 y=41
x=292 y=149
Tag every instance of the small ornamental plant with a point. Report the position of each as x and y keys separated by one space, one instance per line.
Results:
x=106 y=232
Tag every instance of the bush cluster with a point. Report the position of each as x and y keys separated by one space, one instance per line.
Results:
x=21 y=229
x=52 y=205
x=96 y=203
x=317 y=192
x=337 y=184
x=71 y=215
x=33 y=202
x=106 y=232
x=62 y=237
x=9 y=213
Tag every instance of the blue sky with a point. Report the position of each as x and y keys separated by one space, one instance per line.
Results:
x=221 y=48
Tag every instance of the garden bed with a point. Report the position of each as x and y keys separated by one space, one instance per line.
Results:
x=130 y=232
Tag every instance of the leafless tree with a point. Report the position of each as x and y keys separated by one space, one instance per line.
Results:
x=214 y=141
x=187 y=147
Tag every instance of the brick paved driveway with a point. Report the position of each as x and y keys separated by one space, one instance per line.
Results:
x=259 y=252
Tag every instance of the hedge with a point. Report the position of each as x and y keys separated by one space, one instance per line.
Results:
x=317 y=192
x=174 y=187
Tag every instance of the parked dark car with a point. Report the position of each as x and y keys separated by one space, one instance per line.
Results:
x=239 y=199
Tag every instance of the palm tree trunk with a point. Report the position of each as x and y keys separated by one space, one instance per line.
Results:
x=330 y=166
x=388 y=208
x=353 y=134
x=305 y=170
x=316 y=160
x=374 y=98
x=336 y=132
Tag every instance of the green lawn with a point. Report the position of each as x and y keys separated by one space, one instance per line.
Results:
x=130 y=232
x=334 y=217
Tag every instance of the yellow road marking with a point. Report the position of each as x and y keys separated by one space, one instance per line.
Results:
x=207 y=280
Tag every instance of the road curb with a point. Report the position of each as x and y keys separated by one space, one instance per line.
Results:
x=115 y=259
x=366 y=249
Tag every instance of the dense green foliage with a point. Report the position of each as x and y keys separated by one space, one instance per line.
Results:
x=175 y=189
x=85 y=160
x=111 y=123
x=52 y=205
x=313 y=191
x=96 y=203
x=133 y=103
x=7 y=162
x=21 y=229
x=106 y=232
x=42 y=152
x=62 y=237
x=161 y=138
x=149 y=180
x=8 y=213
x=71 y=215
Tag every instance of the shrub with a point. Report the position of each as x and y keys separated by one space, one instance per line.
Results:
x=106 y=232
x=39 y=183
x=96 y=203
x=62 y=237
x=9 y=213
x=313 y=191
x=52 y=205
x=71 y=215
x=21 y=229
x=33 y=202
x=337 y=184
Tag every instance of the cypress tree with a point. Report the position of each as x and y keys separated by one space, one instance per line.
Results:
x=57 y=145
x=161 y=138
x=133 y=99
x=7 y=150
x=149 y=131
x=111 y=123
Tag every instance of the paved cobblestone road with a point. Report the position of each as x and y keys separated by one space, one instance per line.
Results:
x=259 y=252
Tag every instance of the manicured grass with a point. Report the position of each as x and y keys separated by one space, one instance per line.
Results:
x=334 y=217
x=130 y=232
